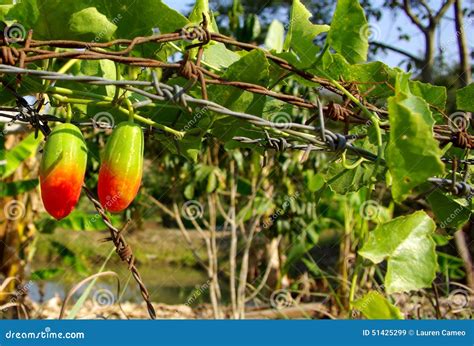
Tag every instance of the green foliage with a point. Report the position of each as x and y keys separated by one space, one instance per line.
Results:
x=274 y=40
x=465 y=98
x=449 y=212
x=301 y=34
x=347 y=35
x=413 y=155
x=16 y=188
x=69 y=19
x=375 y=306
x=23 y=150
x=407 y=245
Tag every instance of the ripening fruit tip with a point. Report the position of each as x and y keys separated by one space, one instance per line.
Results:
x=121 y=170
x=62 y=170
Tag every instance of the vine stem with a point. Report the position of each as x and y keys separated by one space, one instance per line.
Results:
x=63 y=95
x=375 y=120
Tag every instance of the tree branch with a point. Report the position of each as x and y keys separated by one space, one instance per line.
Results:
x=412 y=16
x=397 y=50
x=442 y=11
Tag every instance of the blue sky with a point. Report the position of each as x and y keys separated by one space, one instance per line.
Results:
x=386 y=31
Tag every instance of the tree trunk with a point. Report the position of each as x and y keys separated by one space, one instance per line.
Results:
x=464 y=60
x=428 y=61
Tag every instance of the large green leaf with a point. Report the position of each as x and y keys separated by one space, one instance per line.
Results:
x=88 y=23
x=275 y=36
x=251 y=68
x=413 y=154
x=374 y=79
x=434 y=95
x=347 y=31
x=23 y=150
x=51 y=19
x=301 y=34
x=465 y=98
x=219 y=57
x=449 y=212
x=406 y=244
x=375 y=306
